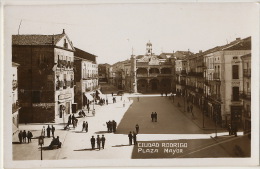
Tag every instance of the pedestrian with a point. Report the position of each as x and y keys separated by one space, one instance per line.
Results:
x=24 y=136
x=103 y=140
x=130 y=136
x=48 y=131
x=115 y=99
x=69 y=120
x=191 y=107
x=235 y=130
x=20 y=136
x=108 y=124
x=152 y=116
x=137 y=128
x=29 y=136
x=43 y=131
x=155 y=117
x=107 y=101
x=52 y=130
x=134 y=138
x=98 y=142
x=124 y=103
x=86 y=126
x=162 y=94
x=92 y=141
x=229 y=129
x=73 y=118
x=114 y=126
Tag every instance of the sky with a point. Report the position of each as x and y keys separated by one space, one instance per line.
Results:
x=113 y=31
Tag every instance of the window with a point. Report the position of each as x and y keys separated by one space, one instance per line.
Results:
x=235 y=93
x=36 y=97
x=235 y=72
x=235 y=57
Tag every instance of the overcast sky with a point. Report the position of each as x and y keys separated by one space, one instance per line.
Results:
x=111 y=30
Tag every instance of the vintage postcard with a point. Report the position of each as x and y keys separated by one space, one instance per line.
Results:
x=144 y=84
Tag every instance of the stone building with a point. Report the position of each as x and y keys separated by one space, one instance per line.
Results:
x=45 y=75
x=86 y=77
x=15 y=100
x=152 y=73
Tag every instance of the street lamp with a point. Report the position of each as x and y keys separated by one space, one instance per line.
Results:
x=41 y=142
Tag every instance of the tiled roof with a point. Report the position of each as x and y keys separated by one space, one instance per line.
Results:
x=244 y=44
x=85 y=55
x=36 y=39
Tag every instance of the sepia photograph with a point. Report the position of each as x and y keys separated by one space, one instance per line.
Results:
x=131 y=84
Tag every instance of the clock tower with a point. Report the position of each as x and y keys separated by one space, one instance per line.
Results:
x=149 y=48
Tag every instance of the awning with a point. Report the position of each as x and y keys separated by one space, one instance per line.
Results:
x=89 y=97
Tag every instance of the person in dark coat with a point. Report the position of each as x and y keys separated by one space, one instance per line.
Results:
x=137 y=128
x=83 y=125
x=98 y=142
x=107 y=101
x=114 y=126
x=69 y=120
x=155 y=117
x=29 y=136
x=134 y=138
x=229 y=129
x=20 y=136
x=152 y=116
x=130 y=136
x=92 y=140
x=108 y=125
x=73 y=118
x=24 y=136
x=86 y=126
x=52 y=130
x=48 y=131
x=103 y=140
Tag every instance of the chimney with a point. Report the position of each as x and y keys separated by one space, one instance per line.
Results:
x=52 y=39
x=63 y=32
x=238 y=38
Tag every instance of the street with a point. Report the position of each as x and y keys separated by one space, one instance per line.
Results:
x=173 y=126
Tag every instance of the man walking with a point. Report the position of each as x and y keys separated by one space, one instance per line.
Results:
x=137 y=128
x=98 y=142
x=92 y=140
x=86 y=126
x=20 y=136
x=103 y=140
x=29 y=136
x=155 y=117
x=114 y=126
x=24 y=136
x=52 y=130
x=134 y=138
x=130 y=136
x=48 y=131
x=152 y=116
x=83 y=125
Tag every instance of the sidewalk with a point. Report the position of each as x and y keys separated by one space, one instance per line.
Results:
x=209 y=124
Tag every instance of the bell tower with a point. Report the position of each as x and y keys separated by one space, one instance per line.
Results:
x=149 y=48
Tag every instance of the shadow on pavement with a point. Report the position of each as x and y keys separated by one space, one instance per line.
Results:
x=121 y=145
x=80 y=131
x=101 y=132
x=86 y=149
x=46 y=148
x=16 y=142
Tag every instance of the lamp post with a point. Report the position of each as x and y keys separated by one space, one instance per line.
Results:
x=41 y=142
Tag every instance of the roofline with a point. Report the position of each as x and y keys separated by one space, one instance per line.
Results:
x=79 y=58
x=52 y=46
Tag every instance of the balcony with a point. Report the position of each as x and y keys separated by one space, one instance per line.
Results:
x=247 y=72
x=245 y=95
x=15 y=84
x=141 y=75
x=165 y=74
x=235 y=98
x=15 y=107
x=216 y=76
x=153 y=74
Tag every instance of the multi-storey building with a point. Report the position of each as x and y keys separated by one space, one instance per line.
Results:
x=224 y=81
x=15 y=102
x=152 y=73
x=246 y=94
x=45 y=75
x=86 y=77
x=103 y=72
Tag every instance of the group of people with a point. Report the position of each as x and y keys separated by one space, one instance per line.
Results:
x=103 y=101
x=99 y=140
x=132 y=138
x=82 y=113
x=154 y=116
x=232 y=130
x=50 y=130
x=72 y=120
x=22 y=135
x=55 y=142
x=111 y=126
x=85 y=126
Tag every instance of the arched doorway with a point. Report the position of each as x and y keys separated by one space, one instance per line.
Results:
x=154 y=84
x=141 y=72
x=142 y=85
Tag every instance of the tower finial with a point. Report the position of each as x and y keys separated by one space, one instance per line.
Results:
x=63 y=32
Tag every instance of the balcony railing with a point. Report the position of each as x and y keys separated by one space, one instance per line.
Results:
x=247 y=72
x=141 y=75
x=235 y=98
x=15 y=107
x=153 y=74
x=216 y=76
x=15 y=84
x=245 y=95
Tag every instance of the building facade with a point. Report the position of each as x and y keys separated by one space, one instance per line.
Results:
x=45 y=75
x=86 y=77
x=15 y=100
